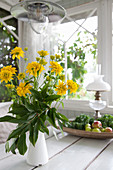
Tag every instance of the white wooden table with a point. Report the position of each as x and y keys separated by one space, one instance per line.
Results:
x=67 y=153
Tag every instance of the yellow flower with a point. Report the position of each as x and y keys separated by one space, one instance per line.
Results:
x=57 y=56
x=42 y=53
x=43 y=62
x=25 y=59
x=26 y=48
x=38 y=58
x=48 y=78
x=6 y=76
x=9 y=68
x=33 y=68
x=57 y=68
x=10 y=86
x=21 y=76
x=23 y=89
x=62 y=77
x=72 y=86
x=17 y=52
x=52 y=57
x=61 y=88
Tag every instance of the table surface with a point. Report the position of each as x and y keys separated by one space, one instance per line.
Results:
x=68 y=152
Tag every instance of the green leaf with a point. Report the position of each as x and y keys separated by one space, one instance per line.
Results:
x=13 y=147
x=22 y=147
x=36 y=131
x=44 y=91
x=16 y=132
x=43 y=105
x=31 y=135
x=37 y=94
x=11 y=119
x=51 y=122
x=52 y=98
x=62 y=117
x=19 y=110
x=44 y=128
x=60 y=125
x=29 y=106
x=7 y=149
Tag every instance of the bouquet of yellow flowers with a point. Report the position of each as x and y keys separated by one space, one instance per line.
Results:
x=32 y=109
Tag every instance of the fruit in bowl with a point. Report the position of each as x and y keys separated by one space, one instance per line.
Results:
x=108 y=129
x=88 y=129
x=96 y=124
x=96 y=130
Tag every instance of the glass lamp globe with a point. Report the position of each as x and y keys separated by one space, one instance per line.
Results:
x=98 y=85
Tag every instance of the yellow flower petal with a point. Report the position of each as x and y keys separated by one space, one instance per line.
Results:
x=17 y=52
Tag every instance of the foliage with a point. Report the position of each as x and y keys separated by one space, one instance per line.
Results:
x=82 y=120
x=33 y=105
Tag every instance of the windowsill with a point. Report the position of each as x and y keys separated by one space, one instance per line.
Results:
x=78 y=105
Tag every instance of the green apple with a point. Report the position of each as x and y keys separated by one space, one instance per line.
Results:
x=87 y=125
x=102 y=129
x=88 y=128
x=96 y=130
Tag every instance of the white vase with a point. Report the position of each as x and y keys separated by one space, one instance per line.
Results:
x=38 y=155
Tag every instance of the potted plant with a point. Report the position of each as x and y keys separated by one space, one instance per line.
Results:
x=32 y=108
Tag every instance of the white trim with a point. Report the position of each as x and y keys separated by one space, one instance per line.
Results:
x=6 y=18
x=9 y=29
x=105 y=42
x=82 y=8
x=5 y=6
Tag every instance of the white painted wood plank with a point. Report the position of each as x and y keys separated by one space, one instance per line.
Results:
x=14 y=162
x=104 y=161
x=3 y=154
x=54 y=146
x=18 y=162
x=77 y=156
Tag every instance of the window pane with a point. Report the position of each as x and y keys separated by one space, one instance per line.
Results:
x=80 y=37
x=7 y=42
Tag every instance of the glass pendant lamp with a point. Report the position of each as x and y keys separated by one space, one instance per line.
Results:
x=38 y=13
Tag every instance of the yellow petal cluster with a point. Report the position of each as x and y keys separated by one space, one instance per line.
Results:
x=52 y=57
x=57 y=56
x=9 y=68
x=6 y=76
x=34 y=67
x=62 y=77
x=57 y=68
x=72 y=86
x=21 y=76
x=17 y=52
x=23 y=89
x=43 y=62
x=10 y=86
x=61 y=88
x=43 y=53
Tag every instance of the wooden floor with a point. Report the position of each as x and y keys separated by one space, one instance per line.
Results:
x=67 y=153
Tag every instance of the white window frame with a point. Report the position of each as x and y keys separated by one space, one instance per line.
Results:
x=104 y=13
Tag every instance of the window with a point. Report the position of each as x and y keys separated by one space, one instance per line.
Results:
x=7 y=42
x=79 y=40
x=102 y=14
